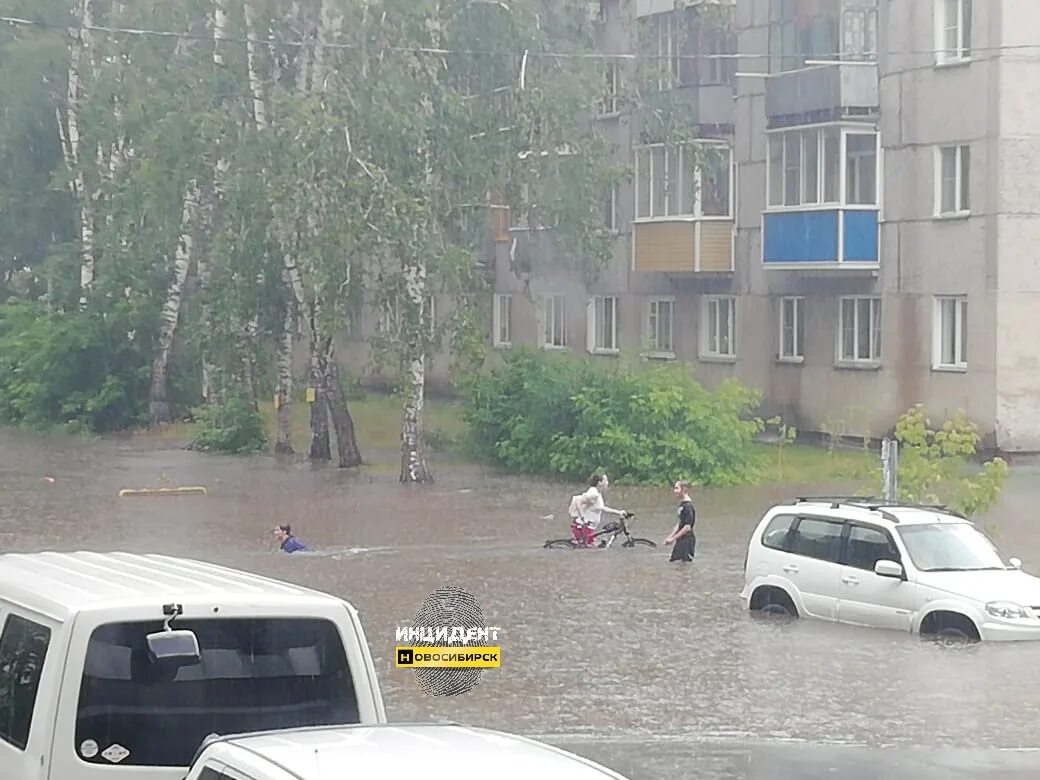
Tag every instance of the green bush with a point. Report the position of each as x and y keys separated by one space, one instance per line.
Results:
x=234 y=427
x=79 y=370
x=550 y=415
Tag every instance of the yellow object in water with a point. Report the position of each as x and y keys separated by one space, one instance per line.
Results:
x=176 y=491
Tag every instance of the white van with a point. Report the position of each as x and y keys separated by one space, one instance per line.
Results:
x=120 y=666
x=443 y=751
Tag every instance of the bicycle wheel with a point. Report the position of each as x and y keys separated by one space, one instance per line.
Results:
x=636 y=541
x=559 y=544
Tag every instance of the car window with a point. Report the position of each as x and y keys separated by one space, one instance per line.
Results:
x=815 y=538
x=254 y=675
x=209 y=773
x=23 y=649
x=866 y=546
x=775 y=535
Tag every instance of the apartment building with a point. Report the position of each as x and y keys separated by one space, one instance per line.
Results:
x=868 y=237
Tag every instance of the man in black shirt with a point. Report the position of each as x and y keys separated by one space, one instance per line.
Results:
x=682 y=536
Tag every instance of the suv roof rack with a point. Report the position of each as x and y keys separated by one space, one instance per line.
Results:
x=874 y=504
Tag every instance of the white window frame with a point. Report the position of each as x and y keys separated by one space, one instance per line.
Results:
x=875 y=321
x=960 y=26
x=958 y=307
x=609 y=107
x=796 y=305
x=601 y=340
x=651 y=324
x=502 y=326
x=696 y=210
x=819 y=192
x=554 y=313
x=667 y=29
x=714 y=318
x=962 y=169
x=612 y=209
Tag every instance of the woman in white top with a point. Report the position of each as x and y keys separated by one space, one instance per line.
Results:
x=592 y=508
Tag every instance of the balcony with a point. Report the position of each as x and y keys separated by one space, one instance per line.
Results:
x=822 y=93
x=683 y=246
x=828 y=238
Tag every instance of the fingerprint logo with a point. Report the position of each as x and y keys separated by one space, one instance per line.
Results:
x=449 y=606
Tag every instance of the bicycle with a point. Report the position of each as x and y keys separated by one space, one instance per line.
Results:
x=606 y=536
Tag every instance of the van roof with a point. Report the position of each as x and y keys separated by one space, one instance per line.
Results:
x=62 y=584
x=434 y=751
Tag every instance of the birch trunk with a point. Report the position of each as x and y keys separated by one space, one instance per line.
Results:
x=346 y=436
x=413 y=456
x=283 y=441
x=320 y=445
x=158 y=405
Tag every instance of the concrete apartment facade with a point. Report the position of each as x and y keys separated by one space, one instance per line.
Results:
x=874 y=242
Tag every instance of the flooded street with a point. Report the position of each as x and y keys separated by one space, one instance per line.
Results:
x=649 y=668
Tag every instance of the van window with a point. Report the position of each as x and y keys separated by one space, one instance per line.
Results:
x=254 y=674
x=776 y=533
x=815 y=538
x=23 y=649
x=866 y=546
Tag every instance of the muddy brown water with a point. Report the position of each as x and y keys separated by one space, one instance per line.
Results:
x=648 y=667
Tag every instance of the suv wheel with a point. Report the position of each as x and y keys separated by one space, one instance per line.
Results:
x=774 y=602
x=949 y=628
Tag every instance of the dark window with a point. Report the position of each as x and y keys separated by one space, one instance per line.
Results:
x=208 y=773
x=866 y=546
x=816 y=538
x=255 y=674
x=777 y=532
x=23 y=649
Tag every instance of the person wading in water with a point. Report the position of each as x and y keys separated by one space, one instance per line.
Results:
x=682 y=536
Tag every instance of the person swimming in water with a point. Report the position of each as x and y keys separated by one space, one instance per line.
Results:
x=288 y=543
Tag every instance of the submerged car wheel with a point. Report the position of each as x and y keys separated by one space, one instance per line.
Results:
x=773 y=602
x=949 y=628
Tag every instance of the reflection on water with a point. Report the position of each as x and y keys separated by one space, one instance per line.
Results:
x=601 y=649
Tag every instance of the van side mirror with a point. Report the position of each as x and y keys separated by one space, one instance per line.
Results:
x=888 y=569
x=179 y=645
x=1015 y=562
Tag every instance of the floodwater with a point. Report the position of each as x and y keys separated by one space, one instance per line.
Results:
x=650 y=668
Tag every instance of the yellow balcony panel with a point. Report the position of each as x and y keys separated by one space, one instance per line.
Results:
x=664 y=247
x=716 y=247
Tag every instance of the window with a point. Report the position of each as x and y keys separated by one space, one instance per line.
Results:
x=950 y=350
x=23 y=649
x=952 y=30
x=671 y=183
x=778 y=532
x=603 y=325
x=815 y=538
x=659 y=325
x=610 y=219
x=952 y=180
x=866 y=546
x=554 y=333
x=801 y=30
x=665 y=36
x=255 y=674
x=804 y=167
x=719 y=327
x=792 y=329
x=714 y=43
x=860 y=340
x=950 y=547
x=502 y=317
x=611 y=88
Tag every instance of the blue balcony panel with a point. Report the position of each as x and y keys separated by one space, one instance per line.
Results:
x=861 y=236
x=801 y=237
x=811 y=237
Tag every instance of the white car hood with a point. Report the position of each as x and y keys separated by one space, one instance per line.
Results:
x=984 y=586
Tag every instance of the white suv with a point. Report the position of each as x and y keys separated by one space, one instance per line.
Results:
x=923 y=569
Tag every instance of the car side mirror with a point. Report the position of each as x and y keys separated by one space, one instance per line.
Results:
x=889 y=569
x=1015 y=562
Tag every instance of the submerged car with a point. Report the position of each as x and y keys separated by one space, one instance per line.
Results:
x=430 y=751
x=921 y=569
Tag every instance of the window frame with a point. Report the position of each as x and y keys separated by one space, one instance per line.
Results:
x=873 y=360
x=961 y=180
x=962 y=29
x=710 y=351
x=793 y=521
x=839 y=553
x=960 y=335
x=611 y=211
x=497 y=321
x=20 y=741
x=829 y=194
x=610 y=104
x=850 y=527
x=652 y=323
x=596 y=311
x=551 y=316
x=696 y=196
x=798 y=328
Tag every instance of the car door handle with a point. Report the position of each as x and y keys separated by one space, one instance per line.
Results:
x=789 y=569
x=850 y=580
